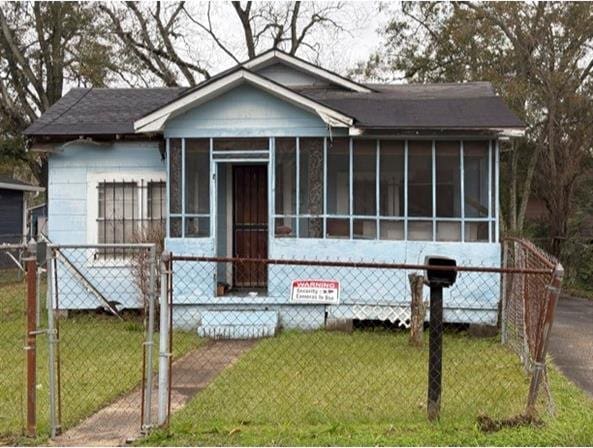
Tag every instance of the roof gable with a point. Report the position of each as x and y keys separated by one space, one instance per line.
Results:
x=272 y=58
x=156 y=120
x=248 y=111
x=292 y=77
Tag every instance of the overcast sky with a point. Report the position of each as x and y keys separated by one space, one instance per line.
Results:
x=338 y=51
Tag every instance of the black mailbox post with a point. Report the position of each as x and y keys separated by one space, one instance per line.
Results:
x=440 y=273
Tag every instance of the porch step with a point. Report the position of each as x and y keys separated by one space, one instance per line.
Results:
x=244 y=324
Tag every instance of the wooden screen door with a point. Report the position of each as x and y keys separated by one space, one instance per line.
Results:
x=250 y=225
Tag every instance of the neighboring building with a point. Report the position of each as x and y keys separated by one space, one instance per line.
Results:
x=13 y=209
x=37 y=219
x=335 y=169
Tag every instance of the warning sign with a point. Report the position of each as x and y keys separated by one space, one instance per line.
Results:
x=323 y=292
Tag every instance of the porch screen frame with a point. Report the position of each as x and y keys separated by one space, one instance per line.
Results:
x=491 y=219
x=183 y=215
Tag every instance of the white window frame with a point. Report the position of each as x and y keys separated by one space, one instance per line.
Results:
x=93 y=181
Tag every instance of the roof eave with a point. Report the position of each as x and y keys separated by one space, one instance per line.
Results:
x=20 y=187
x=503 y=132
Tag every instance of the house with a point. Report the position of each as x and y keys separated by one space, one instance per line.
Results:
x=334 y=168
x=37 y=221
x=13 y=213
x=13 y=209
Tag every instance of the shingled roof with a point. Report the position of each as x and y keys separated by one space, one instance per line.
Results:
x=446 y=106
x=101 y=111
x=422 y=106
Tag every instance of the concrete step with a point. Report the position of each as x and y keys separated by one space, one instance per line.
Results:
x=243 y=324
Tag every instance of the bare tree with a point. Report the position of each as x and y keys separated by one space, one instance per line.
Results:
x=43 y=45
x=153 y=36
x=284 y=25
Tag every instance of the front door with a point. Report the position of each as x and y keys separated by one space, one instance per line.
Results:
x=250 y=225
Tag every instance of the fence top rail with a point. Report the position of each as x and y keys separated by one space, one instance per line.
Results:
x=103 y=246
x=534 y=250
x=8 y=246
x=362 y=265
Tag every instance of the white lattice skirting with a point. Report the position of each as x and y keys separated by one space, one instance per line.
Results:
x=401 y=314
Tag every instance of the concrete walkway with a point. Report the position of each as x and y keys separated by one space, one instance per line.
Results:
x=571 y=343
x=119 y=423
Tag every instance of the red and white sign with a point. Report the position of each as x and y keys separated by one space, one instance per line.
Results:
x=323 y=292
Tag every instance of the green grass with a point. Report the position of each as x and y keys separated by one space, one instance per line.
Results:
x=101 y=359
x=369 y=388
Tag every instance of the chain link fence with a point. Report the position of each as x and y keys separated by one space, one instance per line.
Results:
x=274 y=342
x=529 y=303
x=12 y=340
x=317 y=342
x=102 y=311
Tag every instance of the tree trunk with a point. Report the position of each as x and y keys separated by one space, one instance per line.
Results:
x=418 y=310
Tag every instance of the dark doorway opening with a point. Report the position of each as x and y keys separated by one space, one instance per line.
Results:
x=250 y=225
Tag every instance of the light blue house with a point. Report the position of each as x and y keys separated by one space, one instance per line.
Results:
x=278 y=158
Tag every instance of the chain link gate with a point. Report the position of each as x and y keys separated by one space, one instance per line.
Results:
x=101 y=327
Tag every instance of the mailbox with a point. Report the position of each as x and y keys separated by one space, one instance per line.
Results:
x=440 y=277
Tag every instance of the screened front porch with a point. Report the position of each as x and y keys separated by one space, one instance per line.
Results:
x=342 y=188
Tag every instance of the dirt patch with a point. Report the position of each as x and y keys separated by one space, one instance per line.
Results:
x=487 y=424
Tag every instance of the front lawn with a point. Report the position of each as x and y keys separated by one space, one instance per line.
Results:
x=369 y=388
x=101 y=359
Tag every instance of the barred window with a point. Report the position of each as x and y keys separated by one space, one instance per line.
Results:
x=130 y=212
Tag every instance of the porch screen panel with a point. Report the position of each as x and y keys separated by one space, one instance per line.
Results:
x=476 y=190
x=448 y=180
x=197 y=176
x=175 y=175
x=364 y=169
x=196 y=180
x=311 y=187
x=392 y=189
x=448 y=190
x=420 y=179
x=338 y=188
x=391 y=183
x=285 y=187
x=175 y=183
x=420 y=182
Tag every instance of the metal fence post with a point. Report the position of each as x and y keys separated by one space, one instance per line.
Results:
x=435 y=352
x=503 y=294
x=163 y=400
x=149 y=342
x=539 y=362
x=441 y=273
x=52 y=342
x=31 y=346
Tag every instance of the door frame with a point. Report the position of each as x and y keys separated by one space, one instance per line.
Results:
x=261 y=178
x=215 y=166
